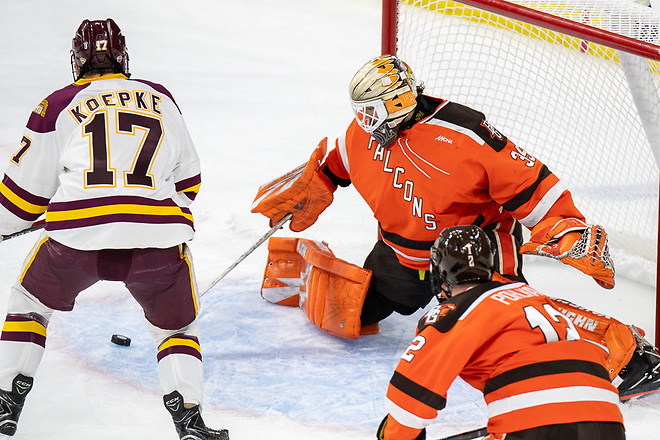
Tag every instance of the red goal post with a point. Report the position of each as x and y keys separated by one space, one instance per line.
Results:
x=574 y=81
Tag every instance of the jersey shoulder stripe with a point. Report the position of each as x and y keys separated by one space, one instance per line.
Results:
x=159 y=88
x=44 y=116
x=471 y=121
x=445 y=315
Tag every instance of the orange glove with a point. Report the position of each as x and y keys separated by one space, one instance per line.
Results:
x=304 y=191
x=575 y=243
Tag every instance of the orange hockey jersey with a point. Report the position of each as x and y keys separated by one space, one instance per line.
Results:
x=450 y=168
x=507 y=341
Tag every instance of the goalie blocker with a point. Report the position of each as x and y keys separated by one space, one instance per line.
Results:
x=304 y=192
x=330 y=291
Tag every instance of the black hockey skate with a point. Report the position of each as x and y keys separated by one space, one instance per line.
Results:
x=188 y=421
x=11 y=403
x=642 y=374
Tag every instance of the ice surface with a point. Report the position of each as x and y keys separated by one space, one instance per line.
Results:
x=259 y=83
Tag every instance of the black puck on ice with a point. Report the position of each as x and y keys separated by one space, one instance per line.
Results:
x=121 y=340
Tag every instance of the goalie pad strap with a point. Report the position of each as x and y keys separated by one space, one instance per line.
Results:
x=602 y=330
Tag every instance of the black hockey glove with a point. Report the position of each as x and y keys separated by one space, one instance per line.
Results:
x=380 y=433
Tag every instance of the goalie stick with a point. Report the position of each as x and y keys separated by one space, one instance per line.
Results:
x=259 y=242
x=35 y=226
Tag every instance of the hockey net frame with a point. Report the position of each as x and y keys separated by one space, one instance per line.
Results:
x=619 y=42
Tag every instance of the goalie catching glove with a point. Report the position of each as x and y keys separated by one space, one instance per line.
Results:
x=575 y=243
x=304 y=191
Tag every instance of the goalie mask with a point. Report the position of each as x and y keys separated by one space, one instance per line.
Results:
x=98 y=45
x=383 y=94
x=460 y=254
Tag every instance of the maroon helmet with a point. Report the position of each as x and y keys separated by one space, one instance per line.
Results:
x=98 y=45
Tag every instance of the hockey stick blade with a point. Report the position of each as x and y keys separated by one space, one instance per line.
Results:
x=475 y=433
x=35 y=227
x=259 y=242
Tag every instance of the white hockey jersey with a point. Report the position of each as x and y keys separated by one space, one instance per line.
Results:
x=110 y=162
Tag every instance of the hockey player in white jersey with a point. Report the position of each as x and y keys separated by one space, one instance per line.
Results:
x=110 y=163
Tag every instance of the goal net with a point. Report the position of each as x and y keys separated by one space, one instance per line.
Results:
x=574 y=82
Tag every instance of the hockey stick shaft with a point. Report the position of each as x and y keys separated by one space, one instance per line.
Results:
x=35 y=226
x=259 y=242
x=475 y=433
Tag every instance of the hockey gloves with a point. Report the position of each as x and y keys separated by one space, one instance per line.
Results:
x=390 y=429
x=304 y=191
x=575 y=243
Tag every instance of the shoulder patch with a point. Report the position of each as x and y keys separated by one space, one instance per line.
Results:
x=43 y=117
x=494 y=133
x=41 y=108
x=446 y=314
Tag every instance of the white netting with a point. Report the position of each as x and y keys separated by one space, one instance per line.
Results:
x=565 y=100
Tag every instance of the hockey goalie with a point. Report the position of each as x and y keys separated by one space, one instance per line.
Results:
x=306 y=273
x=423 y=163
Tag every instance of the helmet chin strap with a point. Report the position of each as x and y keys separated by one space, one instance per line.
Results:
x=385 y=135
x=388 y=131
x=446 y=292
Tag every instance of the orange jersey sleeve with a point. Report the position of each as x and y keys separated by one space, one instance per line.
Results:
x=507 y=341
x=450 y=168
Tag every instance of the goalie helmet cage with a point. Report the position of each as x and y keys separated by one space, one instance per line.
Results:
x=575 y=82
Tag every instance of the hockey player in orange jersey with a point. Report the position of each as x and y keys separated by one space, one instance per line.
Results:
x=540 y=380
x=422 y=164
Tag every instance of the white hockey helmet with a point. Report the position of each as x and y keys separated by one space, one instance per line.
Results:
x=383 y=94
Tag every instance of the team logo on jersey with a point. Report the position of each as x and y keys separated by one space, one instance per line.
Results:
x=492 y=130
x=438 y=312
x=41 y=108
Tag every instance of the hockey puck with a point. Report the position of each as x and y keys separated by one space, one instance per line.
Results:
x=121 y=340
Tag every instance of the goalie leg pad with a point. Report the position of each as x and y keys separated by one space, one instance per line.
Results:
x=334 y=293
x=284 y=271
x=330 y=291
x=604 y=330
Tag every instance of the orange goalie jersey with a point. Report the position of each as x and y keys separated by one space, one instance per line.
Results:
x=507 y=341
x=451 y=168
